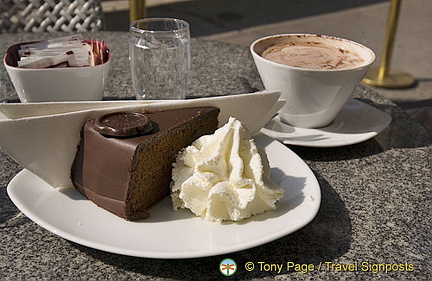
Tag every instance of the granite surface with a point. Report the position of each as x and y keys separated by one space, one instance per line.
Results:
x=375 y=209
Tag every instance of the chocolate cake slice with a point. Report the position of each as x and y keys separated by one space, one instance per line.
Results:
x=124 y=160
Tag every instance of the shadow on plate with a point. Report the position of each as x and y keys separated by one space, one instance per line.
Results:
x=355 y=151
x=402 y=132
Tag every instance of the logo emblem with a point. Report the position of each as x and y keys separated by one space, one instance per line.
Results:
x=228 y=267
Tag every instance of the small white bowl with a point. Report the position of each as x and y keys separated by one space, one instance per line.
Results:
x=84 y=83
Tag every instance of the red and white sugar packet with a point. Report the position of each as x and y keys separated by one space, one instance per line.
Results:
x=66 y=51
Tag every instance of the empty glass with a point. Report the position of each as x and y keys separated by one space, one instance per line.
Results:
x=159 y=56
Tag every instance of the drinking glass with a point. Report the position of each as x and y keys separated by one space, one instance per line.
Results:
x=159 y=56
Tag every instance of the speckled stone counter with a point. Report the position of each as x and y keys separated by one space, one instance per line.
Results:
x=375 y=209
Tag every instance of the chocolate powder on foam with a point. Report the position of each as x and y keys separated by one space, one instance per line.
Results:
x=312 y=55
x=124 y=166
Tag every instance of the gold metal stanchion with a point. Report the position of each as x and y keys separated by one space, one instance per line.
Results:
x=137 y=10
x=384 y=76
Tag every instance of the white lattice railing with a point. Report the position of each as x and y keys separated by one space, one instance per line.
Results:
x=50 y=15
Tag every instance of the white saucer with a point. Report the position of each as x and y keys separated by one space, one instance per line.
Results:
x=168 y=233
x=355 y=123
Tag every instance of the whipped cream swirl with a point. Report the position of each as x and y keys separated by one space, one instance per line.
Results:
x=224 y=176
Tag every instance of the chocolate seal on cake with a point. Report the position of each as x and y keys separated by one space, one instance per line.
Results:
x=123 y=124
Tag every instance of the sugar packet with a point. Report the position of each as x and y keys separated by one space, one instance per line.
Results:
x=68 y=51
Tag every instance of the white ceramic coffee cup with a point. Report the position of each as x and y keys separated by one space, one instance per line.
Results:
x=313 y=97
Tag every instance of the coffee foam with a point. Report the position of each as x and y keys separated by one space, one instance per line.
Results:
x=312 y=55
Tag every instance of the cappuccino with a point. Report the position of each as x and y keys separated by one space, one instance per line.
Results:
x=316 y=74
x=312 y=55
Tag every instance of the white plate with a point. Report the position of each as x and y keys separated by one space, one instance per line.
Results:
x=355 y=123
x=168 y=233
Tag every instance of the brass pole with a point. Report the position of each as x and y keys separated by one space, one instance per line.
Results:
x=384 y=76
x=389 y=39
x=137 y=10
